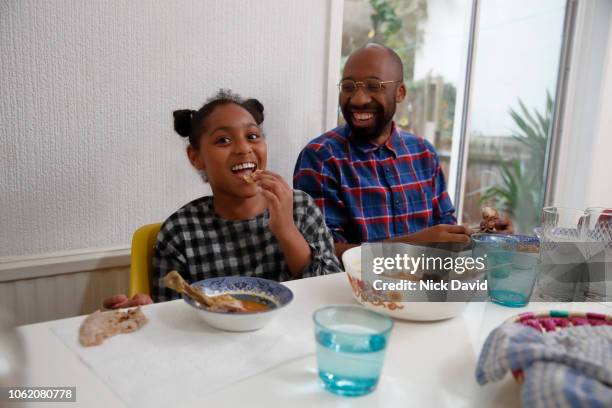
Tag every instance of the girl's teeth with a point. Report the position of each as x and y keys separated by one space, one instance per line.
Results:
x=248 y=166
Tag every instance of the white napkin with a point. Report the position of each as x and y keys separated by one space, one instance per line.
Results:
x=177 y=358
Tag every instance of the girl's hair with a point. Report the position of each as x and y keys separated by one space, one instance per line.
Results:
x=189 y=123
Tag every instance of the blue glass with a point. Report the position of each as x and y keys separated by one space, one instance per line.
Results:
x=351 y=343
x=511 y=274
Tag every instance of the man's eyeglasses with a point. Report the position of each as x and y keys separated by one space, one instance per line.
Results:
x=349 y=87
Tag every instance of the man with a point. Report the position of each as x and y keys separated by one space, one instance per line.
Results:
x=373 y=181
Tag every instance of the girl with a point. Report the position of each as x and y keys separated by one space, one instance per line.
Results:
x=254 y=224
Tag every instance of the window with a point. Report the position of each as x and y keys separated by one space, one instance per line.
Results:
x=416 y=30
x=492 y=138
x=518 y=45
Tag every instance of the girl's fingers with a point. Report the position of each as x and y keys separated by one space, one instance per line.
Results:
x=111 y=302
x=272 y=179
x=265 y=174
x=273 y=201
x=273 y=187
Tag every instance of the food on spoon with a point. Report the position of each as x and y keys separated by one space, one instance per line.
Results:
x=490 y=216
x=219 y=303
x=98 y=326
x=493 y=221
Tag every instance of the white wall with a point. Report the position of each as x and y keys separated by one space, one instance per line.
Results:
x=88 y=151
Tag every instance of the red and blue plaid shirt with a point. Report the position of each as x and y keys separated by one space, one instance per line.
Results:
x=370 y=192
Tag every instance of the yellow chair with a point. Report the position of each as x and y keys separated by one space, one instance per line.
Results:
x=143 y=243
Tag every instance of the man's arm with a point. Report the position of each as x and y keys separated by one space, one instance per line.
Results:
x=314 y=175
x=441 y=204
x=437 y=233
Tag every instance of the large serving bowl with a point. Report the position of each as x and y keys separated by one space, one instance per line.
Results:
x=405 y=307
x=273 y=294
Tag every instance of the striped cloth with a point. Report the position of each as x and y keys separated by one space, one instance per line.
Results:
x=571 y=367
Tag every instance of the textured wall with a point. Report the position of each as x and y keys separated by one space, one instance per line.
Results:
x=88 y=152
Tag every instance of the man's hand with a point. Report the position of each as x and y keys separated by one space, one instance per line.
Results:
x=437 y=233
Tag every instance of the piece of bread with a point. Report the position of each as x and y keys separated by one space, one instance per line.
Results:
x=100 y=325
x=249 y=177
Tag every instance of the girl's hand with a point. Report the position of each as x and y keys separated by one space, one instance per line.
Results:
x=279 y=197
x=122 y=301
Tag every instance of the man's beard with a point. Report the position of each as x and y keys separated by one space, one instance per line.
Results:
x=368 y=134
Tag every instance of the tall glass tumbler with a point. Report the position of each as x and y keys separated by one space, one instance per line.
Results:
x=563 y=255
x=351 y=343
x=597 y=230
x=511 y=274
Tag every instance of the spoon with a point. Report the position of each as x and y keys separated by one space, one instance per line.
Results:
x=225 y=302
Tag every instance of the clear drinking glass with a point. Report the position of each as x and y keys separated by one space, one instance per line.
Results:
x=597 y=230
x=351 y=343
x=562 y=224
x=511 y=275
x=563 y=255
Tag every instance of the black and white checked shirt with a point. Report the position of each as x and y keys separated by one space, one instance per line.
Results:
x=199 y=244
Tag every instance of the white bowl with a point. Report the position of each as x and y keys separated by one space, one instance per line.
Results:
x=244 y=287
x=404 y=308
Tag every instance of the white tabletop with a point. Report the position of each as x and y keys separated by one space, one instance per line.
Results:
x=427 y=364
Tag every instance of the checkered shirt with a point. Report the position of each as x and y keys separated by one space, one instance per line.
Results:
x=199 y=244
x=370 y=192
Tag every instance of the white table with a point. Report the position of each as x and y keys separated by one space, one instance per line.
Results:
x=427 y=364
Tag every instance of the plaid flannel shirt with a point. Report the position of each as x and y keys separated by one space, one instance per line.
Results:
x=199 y=244
x=370 y=192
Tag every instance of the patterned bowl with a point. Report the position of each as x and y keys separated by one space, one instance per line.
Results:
x=404 y=307
x=271 y=293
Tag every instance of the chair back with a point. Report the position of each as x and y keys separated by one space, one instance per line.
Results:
x=141 y=266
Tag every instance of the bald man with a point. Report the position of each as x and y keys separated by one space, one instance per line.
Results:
x=373 y=181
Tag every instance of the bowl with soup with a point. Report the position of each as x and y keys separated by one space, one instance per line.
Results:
x=262 y=300
x=403 y=304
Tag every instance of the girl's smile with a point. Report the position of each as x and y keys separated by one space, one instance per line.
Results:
x=244 y=169
x=231 y=148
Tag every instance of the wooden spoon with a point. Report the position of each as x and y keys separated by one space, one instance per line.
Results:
x=225 y=302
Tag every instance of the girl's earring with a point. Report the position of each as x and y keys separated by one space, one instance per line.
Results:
x=203 y=175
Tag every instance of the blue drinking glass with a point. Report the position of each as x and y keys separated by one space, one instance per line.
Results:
x=351 y=343
x=511 y=275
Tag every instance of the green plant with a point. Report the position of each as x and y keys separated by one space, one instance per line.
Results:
x=521 y=191
x=395 y=23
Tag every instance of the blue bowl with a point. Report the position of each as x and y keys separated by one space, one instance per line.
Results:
x=275 y=295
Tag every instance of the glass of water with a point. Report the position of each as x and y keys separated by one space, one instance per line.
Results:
x=511 y=275
x=351 y=343
x=563 y=253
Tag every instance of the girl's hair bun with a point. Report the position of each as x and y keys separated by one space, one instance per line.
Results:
x=182 y=121
x=255 y=108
